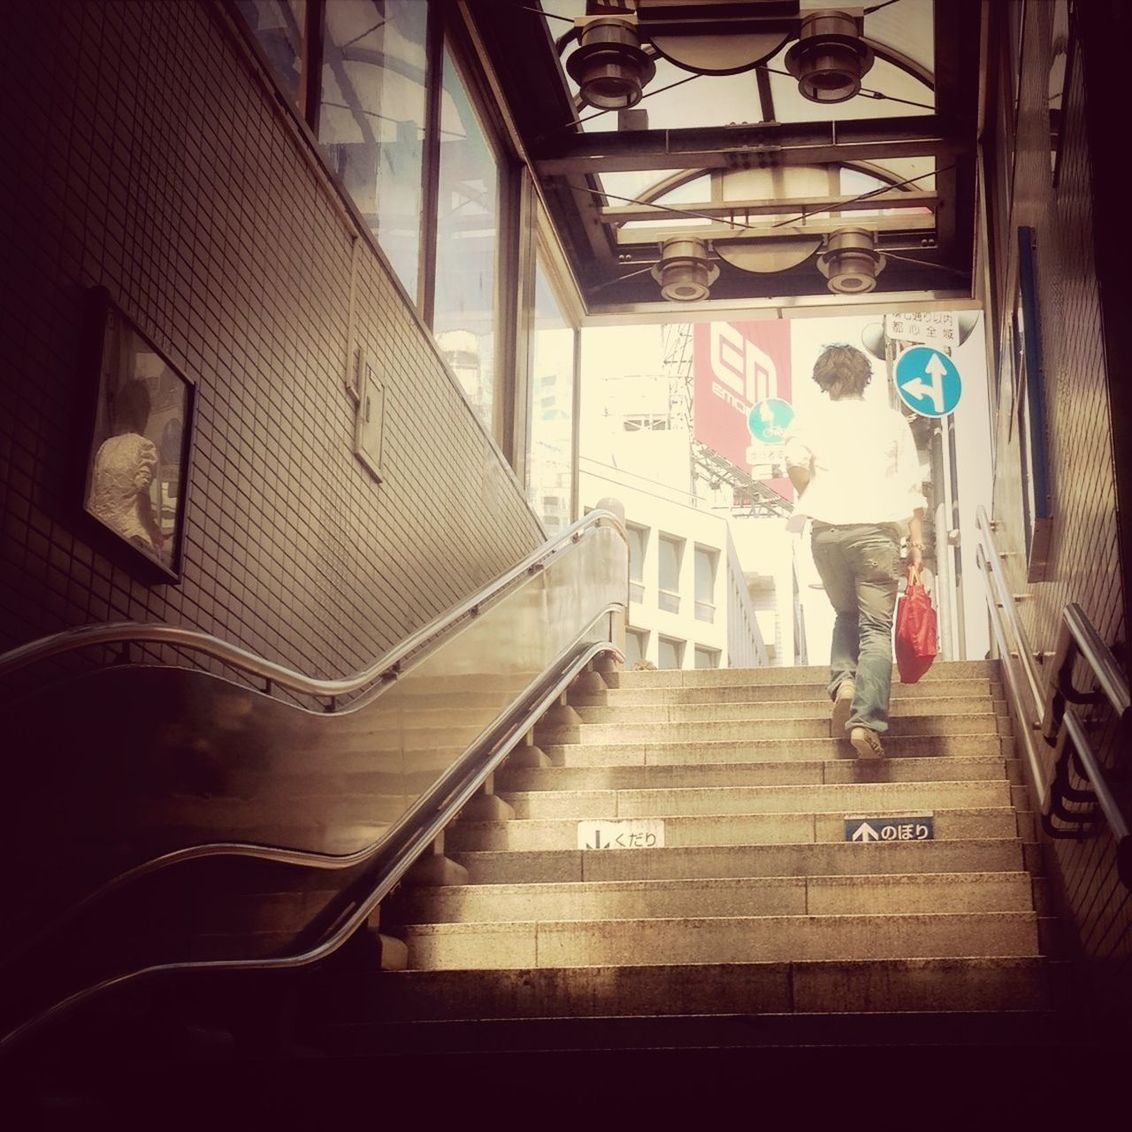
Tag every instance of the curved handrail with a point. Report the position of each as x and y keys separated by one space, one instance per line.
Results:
x=1003 y=617
x=385 y=667
x=417 y=838
x=385 y=858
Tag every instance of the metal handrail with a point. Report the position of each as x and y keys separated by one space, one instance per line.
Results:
x=1078 y=639
x=1003 y=617
x=1078 y=636
x=276 y=675
x=418 y=832
x=1052 y=713
x=1004 y=600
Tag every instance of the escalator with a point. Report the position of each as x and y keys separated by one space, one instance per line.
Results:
x=191 y=826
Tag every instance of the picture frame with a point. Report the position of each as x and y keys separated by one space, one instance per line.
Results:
x=1030 y=408
x=139 y=438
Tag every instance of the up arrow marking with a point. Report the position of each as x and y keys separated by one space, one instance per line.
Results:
x=937 y=369
x=865 y=832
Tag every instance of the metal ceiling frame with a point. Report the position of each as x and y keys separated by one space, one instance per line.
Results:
x=929 y=254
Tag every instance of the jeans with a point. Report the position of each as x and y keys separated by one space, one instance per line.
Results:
x=858 y=566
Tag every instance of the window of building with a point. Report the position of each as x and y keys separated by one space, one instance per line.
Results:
x=393 y=95
x=467 y=242
x=647 y=422
x=636 y=645
x=371 y=122
x=670 y=551
x=670 y=653
x=550 y=443
x=279 y=27
x=638 y=545
x=706 y=658
x=706 y=563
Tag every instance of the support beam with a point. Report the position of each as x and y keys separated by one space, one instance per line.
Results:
x=751 y=147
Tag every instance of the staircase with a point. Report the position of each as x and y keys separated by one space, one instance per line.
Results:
x=740 y=922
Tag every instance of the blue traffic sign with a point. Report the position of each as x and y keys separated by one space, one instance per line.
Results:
x=769 y=419
x=928 y=381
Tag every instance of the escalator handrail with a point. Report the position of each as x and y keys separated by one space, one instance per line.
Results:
x=416 y=838
x=276 y=675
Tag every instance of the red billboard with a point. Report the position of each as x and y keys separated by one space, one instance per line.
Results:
x=735 y=366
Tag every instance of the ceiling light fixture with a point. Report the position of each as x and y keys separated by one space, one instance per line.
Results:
x=610 y=67
x=684 y=272
x=831 y=55
x=851 y=262
x=619 y=44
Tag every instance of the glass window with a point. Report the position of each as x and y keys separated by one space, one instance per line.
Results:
x=670 y=552
x=638 y=543
x=705 y=583
x=636 y=645
x=372 y=117
x=278 y=26
x=706 y=658
x=550 y=464
x=670 y=653
x=467 y=245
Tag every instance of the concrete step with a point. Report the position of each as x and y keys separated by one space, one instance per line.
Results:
x=980 y=1032
x=940 y=672
x=958 y=768
x=740 y=896
x=719 y=939
x=703 y=750
x=839 y=986
x=972 y=723
x=867 y=797
x=773 y=693
x=829 y=858
x=704 y=1069
x=945 y=706
x=727 y=829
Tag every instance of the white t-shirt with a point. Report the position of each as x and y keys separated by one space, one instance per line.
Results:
x=862 y=462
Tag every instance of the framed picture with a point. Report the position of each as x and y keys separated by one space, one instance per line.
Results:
x=1037 y=492
x=137 y=455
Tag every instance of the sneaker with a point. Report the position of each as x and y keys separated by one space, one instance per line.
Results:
x=842 y=708
x=866 y=743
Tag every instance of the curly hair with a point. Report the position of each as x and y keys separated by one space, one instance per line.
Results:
x=842 y=371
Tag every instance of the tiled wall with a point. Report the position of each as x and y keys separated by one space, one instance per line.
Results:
x=145 y=153
x=1084 y=565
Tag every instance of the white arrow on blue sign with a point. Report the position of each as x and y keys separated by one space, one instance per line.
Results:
x=769 y=419
x=928 y=381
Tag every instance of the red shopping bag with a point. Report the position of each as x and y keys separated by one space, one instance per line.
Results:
x=916 y=640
